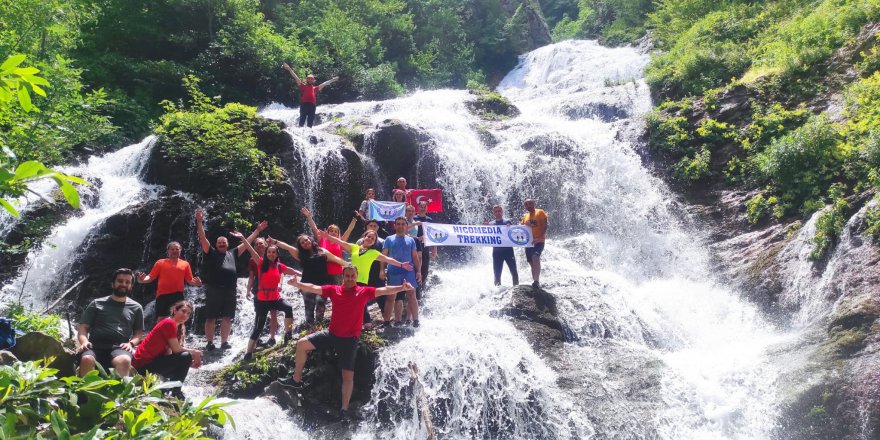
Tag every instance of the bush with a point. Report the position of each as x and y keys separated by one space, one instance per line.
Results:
x=828 y=227
x=669 y=134
x=33 y=321
x=37 y=404
x=694 y=168
x=218 y=145
x=800 y=165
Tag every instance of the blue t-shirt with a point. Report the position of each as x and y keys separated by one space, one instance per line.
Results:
x=400 y=248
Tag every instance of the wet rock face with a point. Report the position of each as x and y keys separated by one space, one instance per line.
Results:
x=615 y=405
x=135 y=239
x=401 y=150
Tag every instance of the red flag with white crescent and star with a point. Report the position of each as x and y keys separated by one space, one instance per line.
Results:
x=434 y=197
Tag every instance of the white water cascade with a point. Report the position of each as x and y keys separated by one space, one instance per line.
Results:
x=657 y=349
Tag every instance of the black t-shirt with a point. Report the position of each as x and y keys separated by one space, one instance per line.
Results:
x=220 y=267
x=420 y=245
x=314 y=269
x=112 y=322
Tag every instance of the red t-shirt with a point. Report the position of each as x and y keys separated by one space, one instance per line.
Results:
x=156 y=343
x=270 y=280
x=335 y=249
x=348 y=309
x=307 y=93
x=171 y=275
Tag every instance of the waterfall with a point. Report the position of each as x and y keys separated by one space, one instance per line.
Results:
x=658 y=349
x=116 y=177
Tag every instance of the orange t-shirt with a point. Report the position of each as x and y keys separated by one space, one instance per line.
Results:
x=539 y=231
x=171 y=276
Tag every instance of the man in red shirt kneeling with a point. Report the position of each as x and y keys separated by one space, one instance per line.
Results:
x=348 y=301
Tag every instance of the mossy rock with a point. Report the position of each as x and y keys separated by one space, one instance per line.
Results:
x=491 y=106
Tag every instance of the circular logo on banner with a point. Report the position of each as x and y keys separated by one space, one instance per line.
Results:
x=437 y=235
x=518 y=235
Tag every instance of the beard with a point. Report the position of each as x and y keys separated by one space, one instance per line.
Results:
x=121 y=292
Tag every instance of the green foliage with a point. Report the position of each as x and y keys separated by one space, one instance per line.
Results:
x=758 y=207
x=872 y=223
x=771 y=122
x=668 y=134
x=612 y=21
x=828 y=227
x=693 y=168
x=800 y=165
x=219 y=146
x=33 y=321
x=36 y=403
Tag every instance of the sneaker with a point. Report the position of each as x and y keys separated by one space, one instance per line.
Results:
x=407 y=323
x=535 y=284
x=210 y=347
x=290 y=383
x=247 y=356
x=415 y=323
x=345 y=414
x=225 y=346
x=271 y=342
x=261 y=343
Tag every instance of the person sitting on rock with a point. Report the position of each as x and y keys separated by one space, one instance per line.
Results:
x=346 y=322
x=162 y=351
x=221 y=281
x=308 y=95
x=173 y=273
x=110 y=328
x=334 y=270
x=269 y=296
x=363 y=256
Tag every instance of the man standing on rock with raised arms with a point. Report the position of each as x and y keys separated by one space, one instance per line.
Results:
x=348 y=301
x=173 y=273
x=308 y=101
x=537 y=219
x=221 y=278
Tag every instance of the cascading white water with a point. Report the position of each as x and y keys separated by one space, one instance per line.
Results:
x=660 y=350
x=117 y=178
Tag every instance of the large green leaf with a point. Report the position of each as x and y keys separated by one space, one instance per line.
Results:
x=24 y=99
x=12 y=62
x=28 y=170
x=69 y=192
x=9 y=208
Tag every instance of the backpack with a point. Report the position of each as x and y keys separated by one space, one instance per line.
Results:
x=7 y=334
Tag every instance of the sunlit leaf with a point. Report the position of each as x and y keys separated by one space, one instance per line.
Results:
x=12 y=62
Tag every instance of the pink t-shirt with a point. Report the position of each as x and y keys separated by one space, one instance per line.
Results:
x=335 y=249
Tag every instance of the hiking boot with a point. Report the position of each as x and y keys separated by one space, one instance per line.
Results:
x=290 y=383
x=271 y=342
x=210 y=347
x=247 y=356
x=536 y=285
x=415 y=323
x=225 y=346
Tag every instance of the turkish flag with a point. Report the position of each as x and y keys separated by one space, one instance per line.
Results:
x=434 y=197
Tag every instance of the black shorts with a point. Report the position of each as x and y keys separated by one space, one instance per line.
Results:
x=346 y=348
x=104 y=356
x=536 y=250
x=164 y=303
x=220 y=302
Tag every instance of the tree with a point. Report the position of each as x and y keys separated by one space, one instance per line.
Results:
x=16 y=84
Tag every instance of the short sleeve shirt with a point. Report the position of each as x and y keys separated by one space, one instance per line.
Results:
x=171 y=275
x=112 y=322
x=156 y=343
x=308 y=93
x=539 y=230
x=335 y=249
x=363 y=261
x=220 y=268
x=400 y=248
x=270 y=282
x=348 y=309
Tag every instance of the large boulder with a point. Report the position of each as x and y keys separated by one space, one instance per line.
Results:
x=36 y=346
x=401 y=150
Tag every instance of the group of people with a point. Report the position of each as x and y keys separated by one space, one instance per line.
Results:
x=383 y=267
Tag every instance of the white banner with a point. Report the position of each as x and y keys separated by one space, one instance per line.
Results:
x=437 y=234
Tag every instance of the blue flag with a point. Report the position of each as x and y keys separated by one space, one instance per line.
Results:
x=386 y=211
